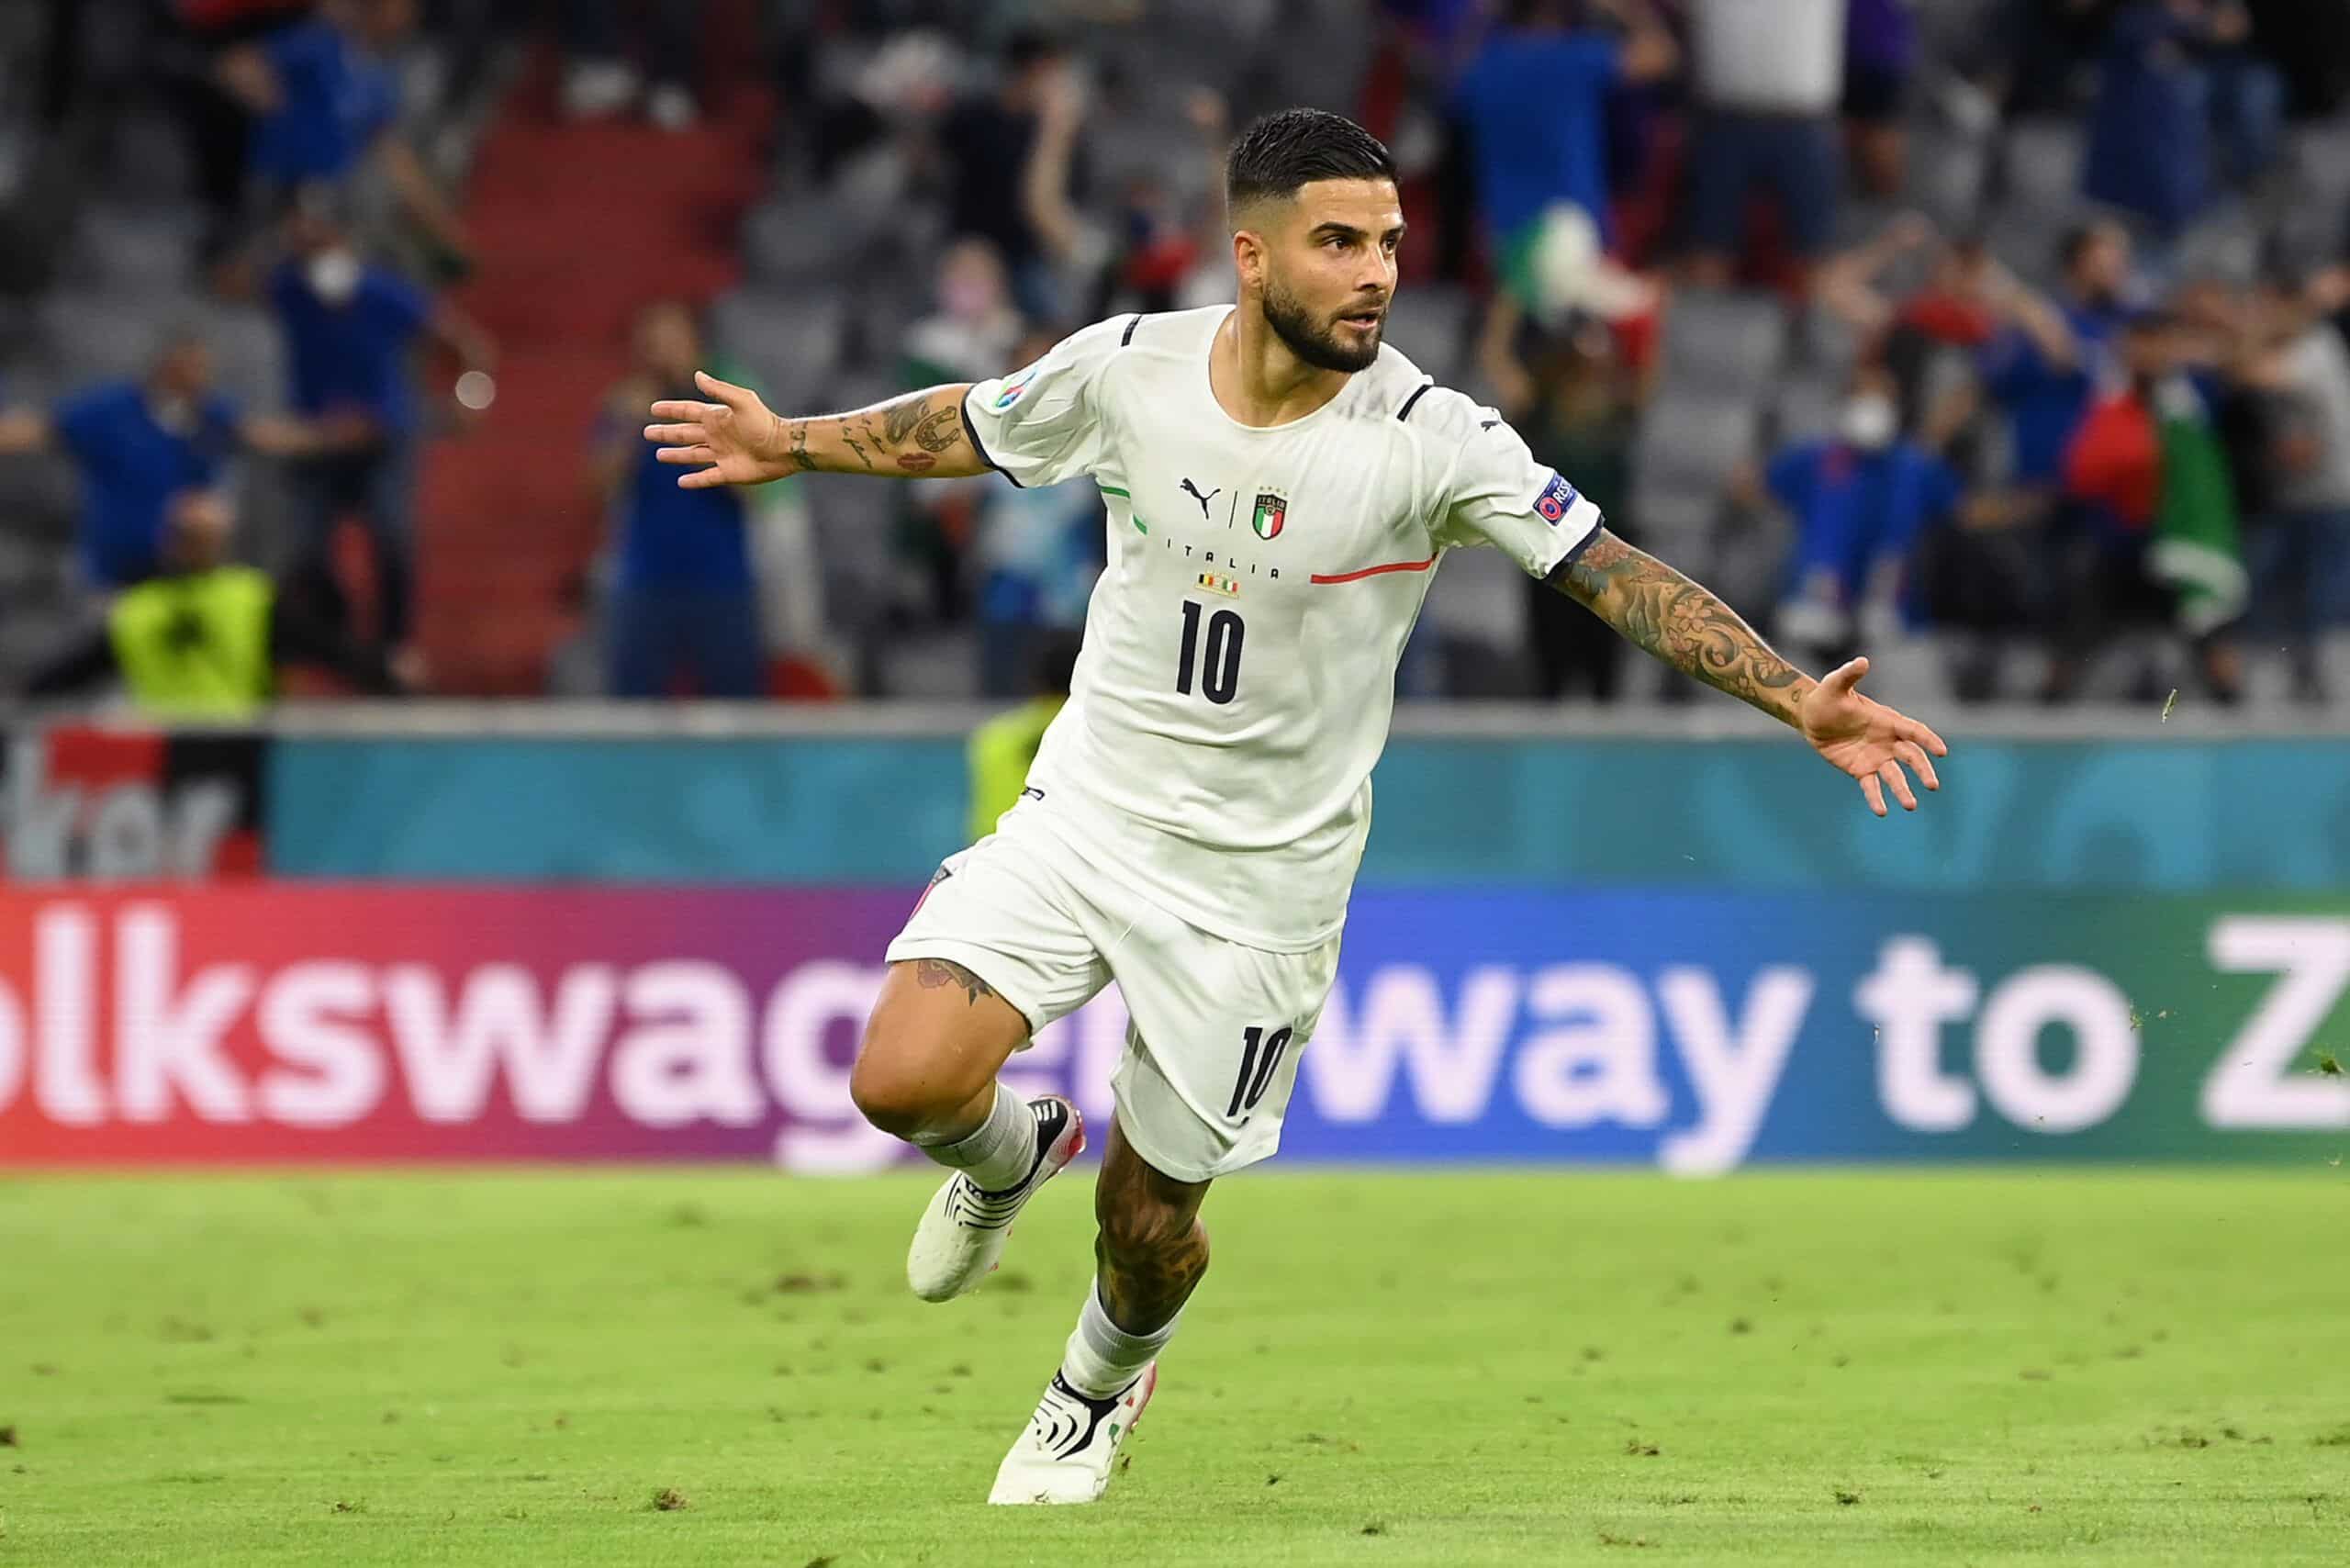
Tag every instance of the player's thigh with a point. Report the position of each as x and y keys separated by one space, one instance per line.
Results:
x=991 y=953
x=936 y=1035
x=1212 y=1057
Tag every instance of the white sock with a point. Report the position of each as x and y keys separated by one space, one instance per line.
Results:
x=1001 y=1153
x=1102 y=1358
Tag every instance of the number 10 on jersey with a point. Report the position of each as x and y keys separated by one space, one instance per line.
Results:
x=1219 y=673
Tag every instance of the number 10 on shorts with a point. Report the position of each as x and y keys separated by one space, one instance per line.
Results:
x=1260 y=1055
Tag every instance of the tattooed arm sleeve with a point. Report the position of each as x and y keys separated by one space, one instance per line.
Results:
x=1657 y=608
x=920 y=434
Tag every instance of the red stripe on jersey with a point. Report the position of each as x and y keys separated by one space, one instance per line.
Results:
x=1374 y=571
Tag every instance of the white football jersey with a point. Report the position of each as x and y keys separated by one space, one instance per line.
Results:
x=1237 y=673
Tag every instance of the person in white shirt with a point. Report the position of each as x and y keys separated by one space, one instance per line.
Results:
x=1767 y=77
x=1279 y=485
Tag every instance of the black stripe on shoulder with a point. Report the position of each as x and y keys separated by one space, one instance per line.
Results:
x=972 y=431
x=1128 y=335
x=1406 y=411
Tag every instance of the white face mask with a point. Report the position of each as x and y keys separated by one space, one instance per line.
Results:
x=1870 y=421
x=333 y=276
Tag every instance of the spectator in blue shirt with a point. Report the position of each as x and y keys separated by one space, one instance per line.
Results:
x=2149 y=148
x=325 y=98
x=1861 y=502
x=139 y=444
x=1534 y=103
x=351 y=331
x=2042 y=369
x=683 y=612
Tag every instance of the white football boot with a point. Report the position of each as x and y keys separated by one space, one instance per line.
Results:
x=1066 y=1454
x=961 y=1236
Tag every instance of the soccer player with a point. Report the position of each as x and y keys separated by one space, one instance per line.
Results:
x=1279 y=485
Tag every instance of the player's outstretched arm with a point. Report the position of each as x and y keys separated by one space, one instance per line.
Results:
x=1683 y=623
x=738 y=440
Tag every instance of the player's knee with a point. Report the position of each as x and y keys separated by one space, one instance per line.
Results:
x=897 y=1100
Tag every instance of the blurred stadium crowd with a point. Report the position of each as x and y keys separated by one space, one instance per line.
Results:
x=2002 y=338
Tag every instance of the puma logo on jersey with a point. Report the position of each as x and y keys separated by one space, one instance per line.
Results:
x=1193 y=491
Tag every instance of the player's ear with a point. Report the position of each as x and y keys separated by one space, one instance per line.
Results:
x=1248 y=257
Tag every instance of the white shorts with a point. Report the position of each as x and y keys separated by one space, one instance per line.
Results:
x=1212 y=1052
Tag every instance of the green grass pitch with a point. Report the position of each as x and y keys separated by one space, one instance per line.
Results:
x=1459 y=1369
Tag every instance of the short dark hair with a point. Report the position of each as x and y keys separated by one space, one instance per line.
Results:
x=1280 y=152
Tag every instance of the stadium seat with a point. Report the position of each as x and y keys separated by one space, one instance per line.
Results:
x=1320 y=53
x=2040 y=166
x=89 y=335
x=30 y=632
x=937 y=666
x=2224 y=244
x=1694 y=440
x=146 y=157
x=1805 y=410
x=1677 y=511
x=1744 y=559
x=1727 y=341
x=1121 y=148
x=788 y=240
x=789 y=344
x=250 y=355
x=2026 y=242
x=150 y=246
x=2321 y=164
x=1947 y=174
x=29 y=567
x=855 y=523
x=38 y=498
x=1913 y=674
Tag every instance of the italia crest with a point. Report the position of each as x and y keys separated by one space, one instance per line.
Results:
x=1272 y=507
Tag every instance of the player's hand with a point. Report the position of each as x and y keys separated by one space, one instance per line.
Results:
x=1867 y=739
x=736 y=441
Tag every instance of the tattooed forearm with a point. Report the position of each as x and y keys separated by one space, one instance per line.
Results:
x=1657 y=608
x=922 y=432
x=932 y=973
x=905 y=414
x=940 y=431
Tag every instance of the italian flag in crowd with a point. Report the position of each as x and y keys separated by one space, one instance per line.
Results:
x=2198 y=548
x=2156 y=463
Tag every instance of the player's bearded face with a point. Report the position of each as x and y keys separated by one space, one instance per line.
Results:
x=1326 y=339
x=1330 y=272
